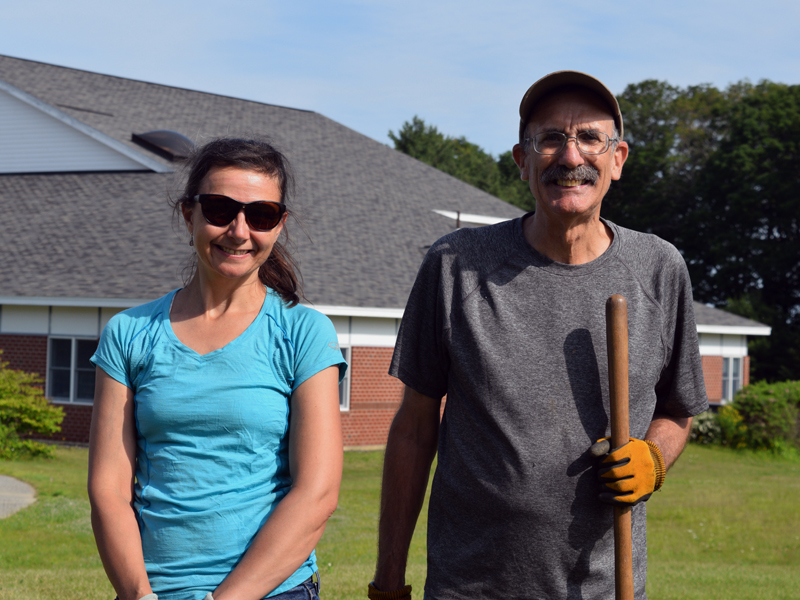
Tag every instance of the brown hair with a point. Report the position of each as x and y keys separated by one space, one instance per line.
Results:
x=280 y=271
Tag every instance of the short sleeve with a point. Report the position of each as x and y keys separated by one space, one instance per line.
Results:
x=420 y=358
x=316 y=345
x=111 y=353
x=681 y=389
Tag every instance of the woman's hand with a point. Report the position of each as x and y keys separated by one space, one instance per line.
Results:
x=294 y=528
x=112 y=460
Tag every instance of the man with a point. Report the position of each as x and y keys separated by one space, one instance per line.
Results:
x=508 y=322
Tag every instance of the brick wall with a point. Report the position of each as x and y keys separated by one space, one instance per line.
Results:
x=29 y=353
x=76 y=423
x=374 y=398
x=374 y=395
x=746 y=371
x=712 y=373
x=25 y=352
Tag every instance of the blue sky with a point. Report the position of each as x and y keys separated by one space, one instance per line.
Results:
x=371 y=65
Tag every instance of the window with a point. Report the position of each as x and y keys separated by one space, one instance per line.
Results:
x=731 y=377
x=344 y=384
x=169 y=144
x=70 y=375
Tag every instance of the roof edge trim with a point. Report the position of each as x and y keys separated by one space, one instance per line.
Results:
x=325 y=309
x=73 y=302
x=470 y=218
x=85 y=129
x=329 y=310
x=357 y=311
x=734 y=330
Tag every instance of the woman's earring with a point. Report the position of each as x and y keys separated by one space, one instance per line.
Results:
x=191 y=241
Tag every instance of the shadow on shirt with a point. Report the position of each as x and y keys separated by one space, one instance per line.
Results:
x=591 y=520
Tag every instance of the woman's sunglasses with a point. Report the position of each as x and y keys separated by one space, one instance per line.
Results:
x=220 y=210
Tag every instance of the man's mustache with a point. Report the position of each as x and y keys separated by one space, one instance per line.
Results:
x=581 y=173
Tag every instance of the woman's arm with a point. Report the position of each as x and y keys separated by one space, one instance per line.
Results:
x=296 y=525
x=112 y=460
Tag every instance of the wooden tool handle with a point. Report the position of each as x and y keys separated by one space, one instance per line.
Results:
x=617 y=339
x=617 y=336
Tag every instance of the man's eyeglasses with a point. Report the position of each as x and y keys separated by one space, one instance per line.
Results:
x=588 y=142
x=220 y=210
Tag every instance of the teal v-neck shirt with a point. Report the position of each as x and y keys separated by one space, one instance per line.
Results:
x=212 y=435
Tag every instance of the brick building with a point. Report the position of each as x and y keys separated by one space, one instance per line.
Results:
x=88 y=230
x=723 y=348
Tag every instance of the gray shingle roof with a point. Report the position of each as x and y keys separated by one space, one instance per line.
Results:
x=366 y=207
x=708 y=315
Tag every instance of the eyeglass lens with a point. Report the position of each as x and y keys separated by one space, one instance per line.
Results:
x=553 y=142
x=221 y=210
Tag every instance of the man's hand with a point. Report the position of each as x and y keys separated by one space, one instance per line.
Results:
x=631 y=473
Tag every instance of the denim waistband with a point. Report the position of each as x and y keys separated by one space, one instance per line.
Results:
x=308 y=589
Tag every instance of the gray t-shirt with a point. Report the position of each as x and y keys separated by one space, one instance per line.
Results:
x=517 y=342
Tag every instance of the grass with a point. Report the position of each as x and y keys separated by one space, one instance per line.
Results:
x=726 y=525
x=347 y=551
x=47 y=550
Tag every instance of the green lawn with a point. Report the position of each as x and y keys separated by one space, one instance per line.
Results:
x=47 y=550
x=726 y=525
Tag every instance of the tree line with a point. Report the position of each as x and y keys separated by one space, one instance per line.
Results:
x=464 y=160
x=714 y=171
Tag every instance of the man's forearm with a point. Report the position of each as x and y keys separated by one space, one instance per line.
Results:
x=670 y=434
x=410 y=449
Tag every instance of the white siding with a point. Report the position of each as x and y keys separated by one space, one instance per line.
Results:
x=366 y=331
x=105 y=316
x=66 y=320
x=35 y=142
x=24 y=319
x=342 y=326
x=713 y=344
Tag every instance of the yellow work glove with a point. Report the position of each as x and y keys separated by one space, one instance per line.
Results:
x=403 y=593
x=631 y=473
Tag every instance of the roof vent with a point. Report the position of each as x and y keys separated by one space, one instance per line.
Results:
x=164 y=142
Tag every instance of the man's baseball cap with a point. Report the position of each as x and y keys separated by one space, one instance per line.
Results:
x=550 y=82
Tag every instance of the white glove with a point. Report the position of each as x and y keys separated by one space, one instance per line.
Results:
x=208 y=597
x=150 y=596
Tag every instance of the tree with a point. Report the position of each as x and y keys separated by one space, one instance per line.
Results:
x=716 y=173
x=511 y=188
x=670 y=133
x=24 y=411
x=750 y=187
x=463 y=160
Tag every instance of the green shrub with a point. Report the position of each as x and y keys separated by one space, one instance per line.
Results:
x=706 y=429
x=24 y=411
x=769 y=412
x=732 y=427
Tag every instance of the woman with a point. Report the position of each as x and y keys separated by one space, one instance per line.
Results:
x=216 y=453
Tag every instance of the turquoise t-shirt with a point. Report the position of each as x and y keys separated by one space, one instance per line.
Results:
x=212 y=435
